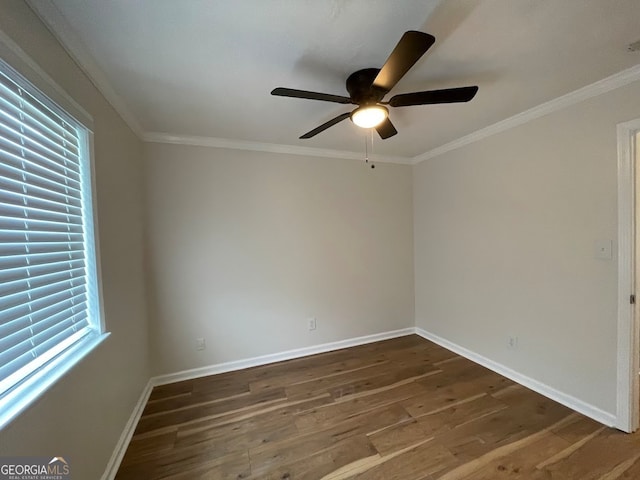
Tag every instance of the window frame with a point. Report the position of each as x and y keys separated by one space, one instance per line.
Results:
x=23 y=71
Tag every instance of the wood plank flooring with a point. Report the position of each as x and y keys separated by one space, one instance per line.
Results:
x=402 y=409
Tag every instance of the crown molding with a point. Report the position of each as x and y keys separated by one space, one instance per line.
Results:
x=605 y=85
x=64 y=32
x=156 y=137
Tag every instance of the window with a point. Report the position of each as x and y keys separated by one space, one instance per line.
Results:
x=49 y=302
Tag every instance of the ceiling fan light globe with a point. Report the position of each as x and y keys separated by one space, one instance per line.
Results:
x=369 y=116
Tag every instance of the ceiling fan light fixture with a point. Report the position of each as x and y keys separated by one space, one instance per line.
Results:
x=369 y=116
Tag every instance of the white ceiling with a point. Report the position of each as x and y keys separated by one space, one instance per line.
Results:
x=206 y=67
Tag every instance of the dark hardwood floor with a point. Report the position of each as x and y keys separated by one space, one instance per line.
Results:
x=402 y=409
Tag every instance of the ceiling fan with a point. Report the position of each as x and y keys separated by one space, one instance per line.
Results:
x=368 y=87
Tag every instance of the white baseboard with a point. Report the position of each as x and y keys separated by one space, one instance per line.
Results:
x=565 y=399
x=127 y=433
x=277 y=357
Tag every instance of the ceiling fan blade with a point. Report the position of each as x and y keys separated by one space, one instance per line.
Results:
x=448 y=95
x=386 y=129
x=290 y=92
x=326 y=125
x=408 y=51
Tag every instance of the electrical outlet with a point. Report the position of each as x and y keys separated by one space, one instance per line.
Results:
x=200 y=344
x=512 y=342
x=311 y=323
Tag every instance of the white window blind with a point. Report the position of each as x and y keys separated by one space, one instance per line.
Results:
x=47 y=266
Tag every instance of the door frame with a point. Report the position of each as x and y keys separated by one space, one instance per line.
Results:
x=628 y=358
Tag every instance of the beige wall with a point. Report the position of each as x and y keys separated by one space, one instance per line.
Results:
x=245 y=246
x=83 y=415
x=505 y=233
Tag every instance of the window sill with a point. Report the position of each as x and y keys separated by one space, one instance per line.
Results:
x=26 y=394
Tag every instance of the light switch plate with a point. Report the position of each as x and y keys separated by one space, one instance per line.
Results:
x=604 y=249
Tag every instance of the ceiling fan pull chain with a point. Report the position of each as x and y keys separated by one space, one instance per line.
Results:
x=371 y=132
x=366 y=150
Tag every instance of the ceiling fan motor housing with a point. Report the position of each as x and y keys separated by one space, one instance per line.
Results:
x=361 y=89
